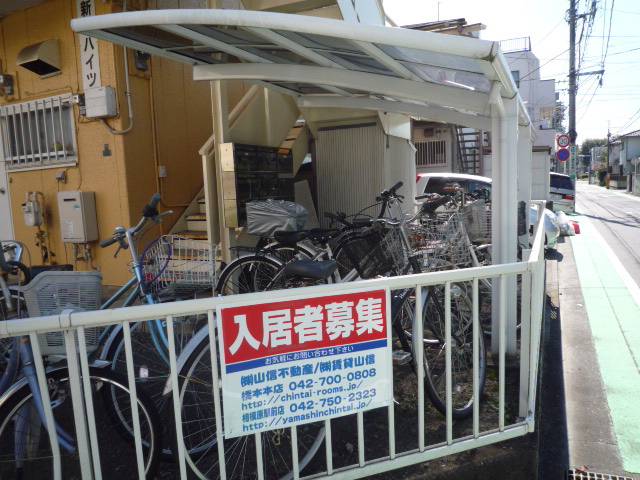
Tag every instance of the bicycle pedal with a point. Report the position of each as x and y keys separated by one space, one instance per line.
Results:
x=400 y=357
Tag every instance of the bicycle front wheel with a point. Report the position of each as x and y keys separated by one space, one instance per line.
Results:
x=200 y=430
x=151 y=365
x=435 y=344
x=25 y=450
x=251 y=273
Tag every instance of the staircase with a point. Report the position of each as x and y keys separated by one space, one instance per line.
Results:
x=193 y=223
x=470 y=143
x=196 y=222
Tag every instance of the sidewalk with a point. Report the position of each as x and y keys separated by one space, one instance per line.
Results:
x=597 y=342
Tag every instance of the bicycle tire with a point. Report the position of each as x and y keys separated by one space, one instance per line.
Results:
x=199 y=431
x=20 y=311
x=485 y=293
x=151 y=370
x=251 y=273
x=461 y=354
x=347 y=252
x=115 y=438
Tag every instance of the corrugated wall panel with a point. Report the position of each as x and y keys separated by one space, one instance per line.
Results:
x=350 y=168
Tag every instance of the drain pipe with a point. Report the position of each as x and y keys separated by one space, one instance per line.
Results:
x=127 y=92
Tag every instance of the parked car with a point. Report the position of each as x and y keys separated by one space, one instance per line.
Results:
x=438 y=183
x=562 y=192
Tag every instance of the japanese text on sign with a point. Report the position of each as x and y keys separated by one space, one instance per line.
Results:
x=89 y=58
x=303 y=360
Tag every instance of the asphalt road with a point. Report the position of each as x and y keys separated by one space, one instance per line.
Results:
x=616 y=216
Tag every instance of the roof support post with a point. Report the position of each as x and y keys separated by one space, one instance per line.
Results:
x=211 y=169
x=524 y=162
x=504 y=147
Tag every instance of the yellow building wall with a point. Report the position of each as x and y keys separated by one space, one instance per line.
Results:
x=172 y=120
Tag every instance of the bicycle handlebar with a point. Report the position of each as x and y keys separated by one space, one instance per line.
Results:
x=430 y=206
x=148 y=212
x=386 y=194
x=107 y=242
x=3 y=263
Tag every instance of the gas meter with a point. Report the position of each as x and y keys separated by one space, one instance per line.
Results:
x=32 y=211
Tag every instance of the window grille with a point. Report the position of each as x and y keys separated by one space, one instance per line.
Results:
x=39 y=133
x=431 y=153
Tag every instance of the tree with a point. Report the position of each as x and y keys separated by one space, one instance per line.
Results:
x=560 y=111
x=589 y=143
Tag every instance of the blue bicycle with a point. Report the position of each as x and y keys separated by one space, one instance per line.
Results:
x=26 y=448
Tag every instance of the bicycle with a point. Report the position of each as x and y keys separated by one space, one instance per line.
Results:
x=168 y=269
x=388 y=253
x=26 y=450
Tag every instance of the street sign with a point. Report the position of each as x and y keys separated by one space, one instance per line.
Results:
x=563 y=141
x=562 y=154
x=305 y=359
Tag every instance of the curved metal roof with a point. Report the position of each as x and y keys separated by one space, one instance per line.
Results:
x=324 y=62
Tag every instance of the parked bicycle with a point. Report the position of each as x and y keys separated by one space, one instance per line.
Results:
x=29 y=407
x=169 y=268
x=387 y=252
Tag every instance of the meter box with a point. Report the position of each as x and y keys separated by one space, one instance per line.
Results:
x=100 y=102
x=77 y=212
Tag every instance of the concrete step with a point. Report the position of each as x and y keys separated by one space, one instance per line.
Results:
x=194 y=234
x=197 y=222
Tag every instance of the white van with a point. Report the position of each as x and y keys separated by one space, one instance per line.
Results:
x=562 y=192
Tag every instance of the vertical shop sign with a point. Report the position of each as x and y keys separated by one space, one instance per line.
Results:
x=304 y=360
x=89 y=58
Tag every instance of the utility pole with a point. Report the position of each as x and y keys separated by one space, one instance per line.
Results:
x=572 y=90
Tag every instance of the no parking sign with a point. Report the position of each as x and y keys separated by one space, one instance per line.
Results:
x=562 y=154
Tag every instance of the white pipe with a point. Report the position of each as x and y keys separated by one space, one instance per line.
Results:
x=127 y=91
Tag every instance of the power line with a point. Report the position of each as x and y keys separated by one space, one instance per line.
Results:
x=609 y=34
x=532 y=71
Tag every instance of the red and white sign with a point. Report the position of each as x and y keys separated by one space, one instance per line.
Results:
x=563 y=141
x=304 y=360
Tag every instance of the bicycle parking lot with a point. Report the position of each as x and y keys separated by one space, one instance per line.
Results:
x=404 y=430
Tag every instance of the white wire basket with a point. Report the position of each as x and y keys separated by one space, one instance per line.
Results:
x=52 y=292
x=477 y=220
x=395 y=248
x=440 y=241
x=179 y=267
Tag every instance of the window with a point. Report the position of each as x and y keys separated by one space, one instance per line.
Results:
x=39 y=133
x=561 y=181
x=516 y=77
x=430 y=153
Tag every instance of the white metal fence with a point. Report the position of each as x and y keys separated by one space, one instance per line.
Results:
x=407 y=432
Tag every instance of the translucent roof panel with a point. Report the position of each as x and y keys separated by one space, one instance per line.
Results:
x=432 y=59
x=310 y=56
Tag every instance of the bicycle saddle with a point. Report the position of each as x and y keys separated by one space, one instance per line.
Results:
x=285 y=237
x=310 y=268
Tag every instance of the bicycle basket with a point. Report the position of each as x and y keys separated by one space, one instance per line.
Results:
x=268 y=216
x=440 y=242
x=179 y=267
x=477 y=221
x=52 y=292
x=366 y=253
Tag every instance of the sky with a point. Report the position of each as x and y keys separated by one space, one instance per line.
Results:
x=612 y=39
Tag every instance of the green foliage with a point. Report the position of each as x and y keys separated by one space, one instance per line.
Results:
x=589 y=143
